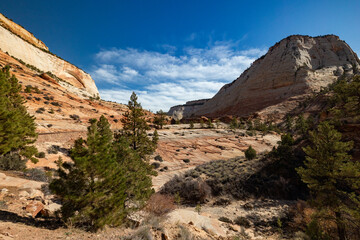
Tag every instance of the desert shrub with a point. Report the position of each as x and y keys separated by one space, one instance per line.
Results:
x=159 y=204
x=74 y=117
x=12 y=161
x=155 y=165
x=53 y=149
x=28 y=89
x=225 y=219
x=40 y=155
x=242 y=221
x=234 y=124
x=250 y=153
x=40 y=110
x=36 y=174
x=186 y=160
x=56 y=104
x=190 y=190
x=158 y=158
x=315 y=232
x=209 y=124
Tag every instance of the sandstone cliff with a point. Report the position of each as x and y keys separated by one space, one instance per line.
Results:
x=293 y=67
x=18 y=42
x=179 y=111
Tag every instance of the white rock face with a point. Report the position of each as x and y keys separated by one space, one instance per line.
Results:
x=295 y=66
x=181 y=111
x=32 y=51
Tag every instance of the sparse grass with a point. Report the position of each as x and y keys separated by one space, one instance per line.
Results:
x=225 y=219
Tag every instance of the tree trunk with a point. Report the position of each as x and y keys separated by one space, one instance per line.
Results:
x=340 y=226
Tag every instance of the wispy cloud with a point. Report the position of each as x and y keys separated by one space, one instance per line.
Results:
x=164 y=79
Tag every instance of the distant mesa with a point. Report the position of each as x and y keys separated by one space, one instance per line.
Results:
x=274 y=83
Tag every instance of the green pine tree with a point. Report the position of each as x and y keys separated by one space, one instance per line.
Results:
x=332 y=177
x=134 y=128
x=250 y=153
x=17 y=127
x=160 y=119
x=301 y=125
x=106 y=181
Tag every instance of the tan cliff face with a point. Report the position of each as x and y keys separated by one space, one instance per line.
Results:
x=21 y=44
x=20 y=31
x=60 y=115
x=293 y=67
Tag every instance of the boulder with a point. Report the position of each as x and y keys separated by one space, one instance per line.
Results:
x=34 y=207
x=36 y=194
x=52 y=208
x=24 y=194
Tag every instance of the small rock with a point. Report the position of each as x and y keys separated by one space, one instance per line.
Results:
x=248 y=206
x=52 y=208
x=34 y=193
x=4 y=190
x=24 y=194
x=34 y=207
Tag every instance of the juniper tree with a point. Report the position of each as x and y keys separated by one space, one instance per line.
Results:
x=134 y=128
x=332 y=177
x=17 y=126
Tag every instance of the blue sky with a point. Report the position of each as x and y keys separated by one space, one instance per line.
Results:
x=169 y=51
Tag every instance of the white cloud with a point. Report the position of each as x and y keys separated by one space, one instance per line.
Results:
x=164 y=95
x=164 y=79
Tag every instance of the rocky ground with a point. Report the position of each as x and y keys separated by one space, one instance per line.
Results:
x=27 y=209
x=179 y=149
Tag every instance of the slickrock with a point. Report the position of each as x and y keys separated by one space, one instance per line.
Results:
x=20 y=183
x=296 y=66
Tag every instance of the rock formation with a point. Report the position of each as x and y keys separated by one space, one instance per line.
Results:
x=293 y=67
x=179 y=111
x=18 y=42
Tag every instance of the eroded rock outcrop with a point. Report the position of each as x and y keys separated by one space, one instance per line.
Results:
x=293 y=67
x=180 y=111
x=18 y=42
